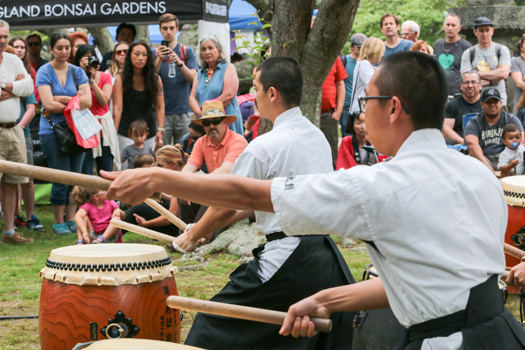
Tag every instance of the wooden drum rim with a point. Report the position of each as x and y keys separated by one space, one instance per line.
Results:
x=110 y=264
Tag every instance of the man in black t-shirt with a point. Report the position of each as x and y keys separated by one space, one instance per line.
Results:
x=483 y=132
x=449 y=50
x=462 y=108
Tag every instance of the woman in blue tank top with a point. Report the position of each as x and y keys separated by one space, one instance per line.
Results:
x=217 y=79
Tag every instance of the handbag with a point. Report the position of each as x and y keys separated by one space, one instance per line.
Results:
x=66 y=139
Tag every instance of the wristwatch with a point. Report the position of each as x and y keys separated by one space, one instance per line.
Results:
x=2 y=85
x=181 y=64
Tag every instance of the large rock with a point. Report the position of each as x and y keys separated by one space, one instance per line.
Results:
x=239 y=240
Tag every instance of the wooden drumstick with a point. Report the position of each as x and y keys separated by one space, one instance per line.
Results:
x=166 y=213
x=239 y=311
x=142 y=231
x=55 y=175
x=513 y=251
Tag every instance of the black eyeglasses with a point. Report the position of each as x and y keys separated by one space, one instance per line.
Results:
x=36 y=43
x=214 y=121
x=363 y=102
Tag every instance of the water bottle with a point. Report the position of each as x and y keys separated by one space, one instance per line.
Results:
x=172 y=71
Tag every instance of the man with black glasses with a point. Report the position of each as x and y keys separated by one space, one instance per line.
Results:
x=463 y=108
x=423 y=217
x=34 y=47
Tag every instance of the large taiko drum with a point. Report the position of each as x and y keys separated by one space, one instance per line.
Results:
x=514 y=190
x=95 y=292
x=133 y=344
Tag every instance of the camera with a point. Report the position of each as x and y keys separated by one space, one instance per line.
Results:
x=93 y=62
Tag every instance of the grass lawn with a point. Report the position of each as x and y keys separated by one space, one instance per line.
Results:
x=20 y=283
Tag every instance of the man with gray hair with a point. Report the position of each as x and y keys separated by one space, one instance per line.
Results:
x=14 y=83
x=410 y=30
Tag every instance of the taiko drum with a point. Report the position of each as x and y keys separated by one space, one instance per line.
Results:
x=514 y=190
x=94 y=292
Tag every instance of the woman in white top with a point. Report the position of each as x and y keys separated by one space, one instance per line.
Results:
x=371 y=53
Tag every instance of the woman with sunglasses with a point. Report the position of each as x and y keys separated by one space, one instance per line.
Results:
x=217 y=79
x=137 y=90
x=168 y=157
x=118 y=57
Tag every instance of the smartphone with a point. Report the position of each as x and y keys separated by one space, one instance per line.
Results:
x=165 y=43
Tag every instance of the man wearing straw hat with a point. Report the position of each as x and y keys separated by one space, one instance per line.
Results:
x=218 y=150
x=286 y=269
x=422 y=215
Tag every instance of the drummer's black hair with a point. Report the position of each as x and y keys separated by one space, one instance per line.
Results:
x=419 y=82
x=285 y=75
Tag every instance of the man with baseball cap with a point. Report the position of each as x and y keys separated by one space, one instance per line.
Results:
x=483 y=132
x=490 y=59
x=349 y=61
x=218 y=150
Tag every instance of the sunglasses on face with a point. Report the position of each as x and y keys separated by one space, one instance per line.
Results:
x=121 y=52
x=216 y=121
x=33 y=44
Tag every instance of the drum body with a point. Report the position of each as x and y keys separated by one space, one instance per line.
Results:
x=376 y=329
x=94 y=292
x=134 y=344
x=514 y=190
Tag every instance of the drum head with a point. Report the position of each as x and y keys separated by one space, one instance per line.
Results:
x=108 y=264
x=136 y=344
x=514 y=190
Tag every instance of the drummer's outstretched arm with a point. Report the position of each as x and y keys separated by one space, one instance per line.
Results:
x=367 y=295
x=221 y=191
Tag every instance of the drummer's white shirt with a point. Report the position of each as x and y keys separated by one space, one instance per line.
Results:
x=293 y=147
x=437 y=217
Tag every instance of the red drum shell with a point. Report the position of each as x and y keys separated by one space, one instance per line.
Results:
x=73 y=313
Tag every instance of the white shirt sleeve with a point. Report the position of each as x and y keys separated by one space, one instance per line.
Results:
x=305 y=205
x=22 y=87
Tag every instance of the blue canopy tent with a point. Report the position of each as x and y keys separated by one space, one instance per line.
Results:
x=241 y=14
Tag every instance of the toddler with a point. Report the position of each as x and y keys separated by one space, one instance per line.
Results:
x=143 y=161
x=511 y=159
x=94 y=215
x=138 y=132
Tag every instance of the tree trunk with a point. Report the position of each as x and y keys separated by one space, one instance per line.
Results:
x=315 y=49
x=143 y=34
x=103 y=39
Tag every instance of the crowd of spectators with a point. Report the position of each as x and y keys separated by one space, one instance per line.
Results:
x=148 y=98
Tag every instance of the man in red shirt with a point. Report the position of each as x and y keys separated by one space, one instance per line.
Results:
x=218 y=150
x=332 y=105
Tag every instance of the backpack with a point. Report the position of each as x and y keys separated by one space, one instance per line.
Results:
x=472 y=53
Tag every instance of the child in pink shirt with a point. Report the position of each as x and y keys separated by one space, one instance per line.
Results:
x=94 y=215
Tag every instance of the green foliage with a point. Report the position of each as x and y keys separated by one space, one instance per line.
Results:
x=429 y=14
x=259 y=44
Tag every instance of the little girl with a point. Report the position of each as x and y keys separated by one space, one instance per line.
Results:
x=94 y=215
